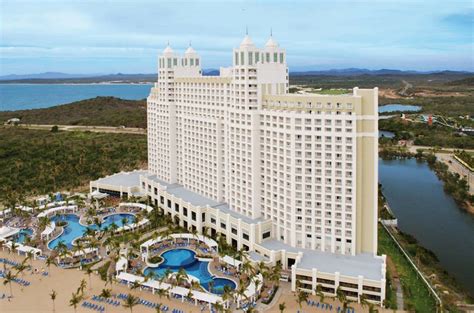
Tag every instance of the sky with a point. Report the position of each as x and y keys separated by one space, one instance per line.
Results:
x=103 y=36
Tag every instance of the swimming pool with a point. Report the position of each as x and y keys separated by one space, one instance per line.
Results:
x=186 y=259
x=74 y=229
x=23 y=234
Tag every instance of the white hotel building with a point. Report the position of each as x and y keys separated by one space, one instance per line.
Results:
x=288 y=177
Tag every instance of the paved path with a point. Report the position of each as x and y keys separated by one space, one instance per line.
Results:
x=97 y=129
x=413 y=149
x=400 y=302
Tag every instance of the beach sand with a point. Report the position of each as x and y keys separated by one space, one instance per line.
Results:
x=35 y=298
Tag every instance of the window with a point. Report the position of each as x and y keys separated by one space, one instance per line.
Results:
x=242 y=62
x=155 y=190
x=169 y=62
x=162 y=200
x=250 y=58
x=281 y=57
x=213 y=220
x=191 y=62
x=246 y=236
x=222 y=225
x=256 y=57
x=266 y=235
x=275 y=57
x=197 y=62
x=175 y=61
x=267 y=57
x=185 y=211
x=176 y=207
x=193 y=216
x=234 y=231
x=236 y=58
x=169 y=204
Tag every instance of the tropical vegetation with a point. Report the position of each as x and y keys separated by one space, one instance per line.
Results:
x=39 y=162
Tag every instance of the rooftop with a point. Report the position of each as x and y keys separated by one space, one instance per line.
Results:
x=349 y=265
x=124 y=179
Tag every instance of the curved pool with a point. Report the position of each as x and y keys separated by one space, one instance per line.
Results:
x=186 y=259
x=23 y=234
x=74 y=229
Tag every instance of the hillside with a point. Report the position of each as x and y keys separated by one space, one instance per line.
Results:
x=99 y=111
x=38 y=161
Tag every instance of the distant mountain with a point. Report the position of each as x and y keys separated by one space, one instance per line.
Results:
x=210 y=72
x=58 y=78
x=363 y=71
x=46 y=75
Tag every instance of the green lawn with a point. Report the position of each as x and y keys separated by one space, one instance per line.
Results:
x=416 y=295
x=332 y=91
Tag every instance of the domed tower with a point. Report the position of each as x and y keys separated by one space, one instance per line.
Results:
x=245 y=60
x=273 y=68
x=190 y=64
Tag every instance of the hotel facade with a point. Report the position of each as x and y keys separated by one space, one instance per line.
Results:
x=287 y=177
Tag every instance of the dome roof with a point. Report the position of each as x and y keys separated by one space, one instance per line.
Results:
x=190 y=50
x=247 y=42
x=168 y=50
x=271 y=43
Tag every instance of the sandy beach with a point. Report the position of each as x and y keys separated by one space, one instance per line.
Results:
x=35 y=298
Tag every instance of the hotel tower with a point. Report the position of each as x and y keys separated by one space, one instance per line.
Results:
x=289 y=177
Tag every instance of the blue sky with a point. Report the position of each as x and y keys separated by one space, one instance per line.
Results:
x=126 y=36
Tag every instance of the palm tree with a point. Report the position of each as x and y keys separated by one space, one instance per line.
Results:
x=49 y=262
x=75 y=300
x=135 y=285
x=43 y=222
x=301 y=297
x=319 y=292
x=163 y=292
x=82 y=286
x=218 y=307
x=53 y=295
x=364 y=301
x=228 y=293
x=247 y=268
x=130 y=302
x=341 y=296
x=30 y=256
x=89 y=272
x=106 y=294
x=21 y=267
x=158 y=307
x=276 y=273
x=61 y=249
x=7 y=279
x=282 y=307
x=181 y=276
x=210 y=285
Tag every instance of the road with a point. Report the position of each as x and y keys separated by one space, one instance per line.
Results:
x=97 y=129
x=456 y=167
x=413 y=149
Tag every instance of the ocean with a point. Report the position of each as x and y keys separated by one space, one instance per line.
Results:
x=34 y=96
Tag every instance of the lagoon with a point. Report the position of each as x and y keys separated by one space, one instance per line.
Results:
x=389 y=108
x=425 y=211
